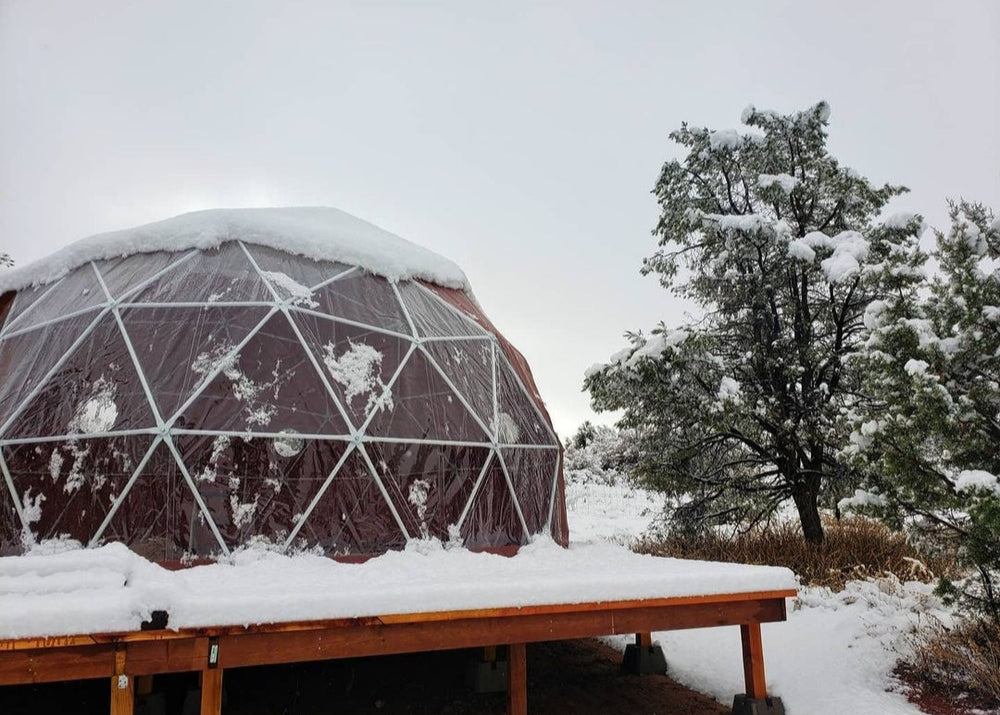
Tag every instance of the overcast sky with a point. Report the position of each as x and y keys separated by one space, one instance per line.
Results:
x=519 y=139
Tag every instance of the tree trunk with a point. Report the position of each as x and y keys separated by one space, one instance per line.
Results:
x=806 y=498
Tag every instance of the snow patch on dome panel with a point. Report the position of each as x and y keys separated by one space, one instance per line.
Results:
x=419 y=491
x=289 y=289
x=98 y=413
x=505 y=429
x=252 y=394
x=319 y=233
x=358 y=370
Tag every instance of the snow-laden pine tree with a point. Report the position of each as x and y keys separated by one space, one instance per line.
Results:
x=746 y=405
x=930 y=438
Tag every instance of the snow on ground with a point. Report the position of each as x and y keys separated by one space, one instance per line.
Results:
x=607 y=512
x=834 y=654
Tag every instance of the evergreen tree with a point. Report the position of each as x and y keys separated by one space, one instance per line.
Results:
x=777 y=244
x=930 y=439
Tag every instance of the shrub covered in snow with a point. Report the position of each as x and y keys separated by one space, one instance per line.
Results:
x=929 y=434
x=598 y=454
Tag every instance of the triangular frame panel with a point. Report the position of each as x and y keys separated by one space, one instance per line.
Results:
x=429 y=485
x=425 y=408
x=351 y=517
x=97 y=390
x=360 y=365
x=270 y=384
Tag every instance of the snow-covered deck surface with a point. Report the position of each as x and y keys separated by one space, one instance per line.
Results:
x=112 y=590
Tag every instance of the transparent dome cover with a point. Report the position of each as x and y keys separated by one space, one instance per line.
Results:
x=190 y=402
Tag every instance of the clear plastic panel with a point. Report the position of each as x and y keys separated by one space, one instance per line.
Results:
x=257 y=488
x=532 y=472
x=492 y=520
x=10 y=524
x=518 y=422
x=271 y=385
x=221 y=275
x=26 y=359
x=24 y=299
x=560 y=527
x=429 y=485
x=461 y=302
x=96 y=390
x=469 y=365
x=432 y=317
x=76 y=291
x=159 y=517
x=365 y=299
x=303 y=271
x=358 y=363
x=175 y=346
x=67 y=488
x=424 y=407
x=122 y=275
x=352 y=518
x=6 y=303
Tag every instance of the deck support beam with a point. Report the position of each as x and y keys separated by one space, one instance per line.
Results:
x=756 y=700
x=122 y=695
x=753 y=661
x=211 y=691
x=517 y=679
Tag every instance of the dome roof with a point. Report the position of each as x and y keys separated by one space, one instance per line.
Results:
x=294 y=377
x=319 y=233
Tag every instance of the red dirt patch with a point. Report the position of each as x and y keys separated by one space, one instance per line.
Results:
x=938 y=699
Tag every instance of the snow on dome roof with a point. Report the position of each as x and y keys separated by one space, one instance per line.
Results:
x=319 y=233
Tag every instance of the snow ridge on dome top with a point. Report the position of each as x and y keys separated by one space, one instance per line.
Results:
x=319 y=233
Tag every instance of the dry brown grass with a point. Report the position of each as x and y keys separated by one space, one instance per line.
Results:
x=960 y=664
x=854 y=548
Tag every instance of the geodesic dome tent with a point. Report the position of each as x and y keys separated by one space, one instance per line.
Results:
x=290 y=376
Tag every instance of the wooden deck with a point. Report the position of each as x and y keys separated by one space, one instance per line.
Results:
x=210 y=651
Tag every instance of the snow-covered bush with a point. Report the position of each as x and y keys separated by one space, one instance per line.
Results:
x=598 y=454
x=929 y=436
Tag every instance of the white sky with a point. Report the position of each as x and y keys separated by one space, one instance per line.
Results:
x=519 y=139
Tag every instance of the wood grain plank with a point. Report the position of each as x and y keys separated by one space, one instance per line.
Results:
x=14 y=644
x=517 y=679
x=753 y=660
x=211 y=691
x=122 y=687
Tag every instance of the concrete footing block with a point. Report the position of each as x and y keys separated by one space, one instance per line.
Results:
x=640 y=660
x=742 y=705
x=487 y=676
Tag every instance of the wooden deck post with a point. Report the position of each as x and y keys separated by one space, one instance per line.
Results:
x=644 y=640
x=211 y=691
x=753 y=661
x=517 y=679
x=122 y=697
